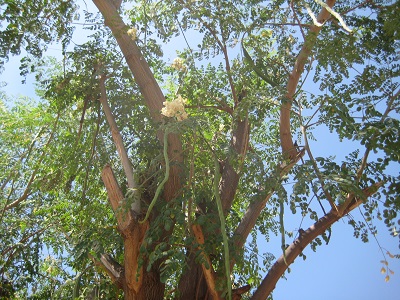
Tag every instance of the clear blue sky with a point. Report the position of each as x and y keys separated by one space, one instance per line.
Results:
x=346 y=269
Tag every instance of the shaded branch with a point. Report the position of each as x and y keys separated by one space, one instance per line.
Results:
x=253 y=211
x=113 y=269
x=208 y=271
x=23 y=241
x=278 y=269
x=229 y=176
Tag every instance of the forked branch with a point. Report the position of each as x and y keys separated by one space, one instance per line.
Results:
x=123 y=155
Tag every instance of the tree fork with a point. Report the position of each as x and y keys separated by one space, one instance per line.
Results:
x=149 y=88
x=133 y=234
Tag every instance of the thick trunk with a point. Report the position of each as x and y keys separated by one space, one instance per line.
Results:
x=192 y=284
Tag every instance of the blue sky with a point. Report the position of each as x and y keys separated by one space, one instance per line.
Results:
x=345 y=269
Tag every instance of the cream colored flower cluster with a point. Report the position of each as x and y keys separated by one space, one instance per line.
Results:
x=175 y=109
x=179 y=64
x=132 y=33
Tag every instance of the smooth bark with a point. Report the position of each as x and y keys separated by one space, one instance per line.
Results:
x=305 y=238
x=288 y=149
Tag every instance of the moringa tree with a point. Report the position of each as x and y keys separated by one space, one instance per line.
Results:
x=197 y=156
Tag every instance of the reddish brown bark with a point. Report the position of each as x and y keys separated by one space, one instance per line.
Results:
x=132 y=232
x=294 y=250
x=288 y=148
x=208 y=271
x=149 y=88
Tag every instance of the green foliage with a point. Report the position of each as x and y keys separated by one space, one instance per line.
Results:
x=52 y=152
x=32 y=25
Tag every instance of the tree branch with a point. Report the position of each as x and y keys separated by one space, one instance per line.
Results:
x=317 y=171
x=278 y=269
x=284 y=128
x=368 y=150
x=33 y=176
x=114 y=270
x=229 y=176
x=253 y=211
x=208 y=271
x=148 y=86
x=123 y=155
x=116 y=198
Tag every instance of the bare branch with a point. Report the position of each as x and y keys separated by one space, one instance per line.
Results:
x=123 y=155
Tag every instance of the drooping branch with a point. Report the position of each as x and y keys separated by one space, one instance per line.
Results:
x=288 y=149
x=126 y=163
x=305 y=238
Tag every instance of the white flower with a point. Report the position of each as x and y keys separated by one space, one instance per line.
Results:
x=175 y=109
x=179 y=64
x=132 y=33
